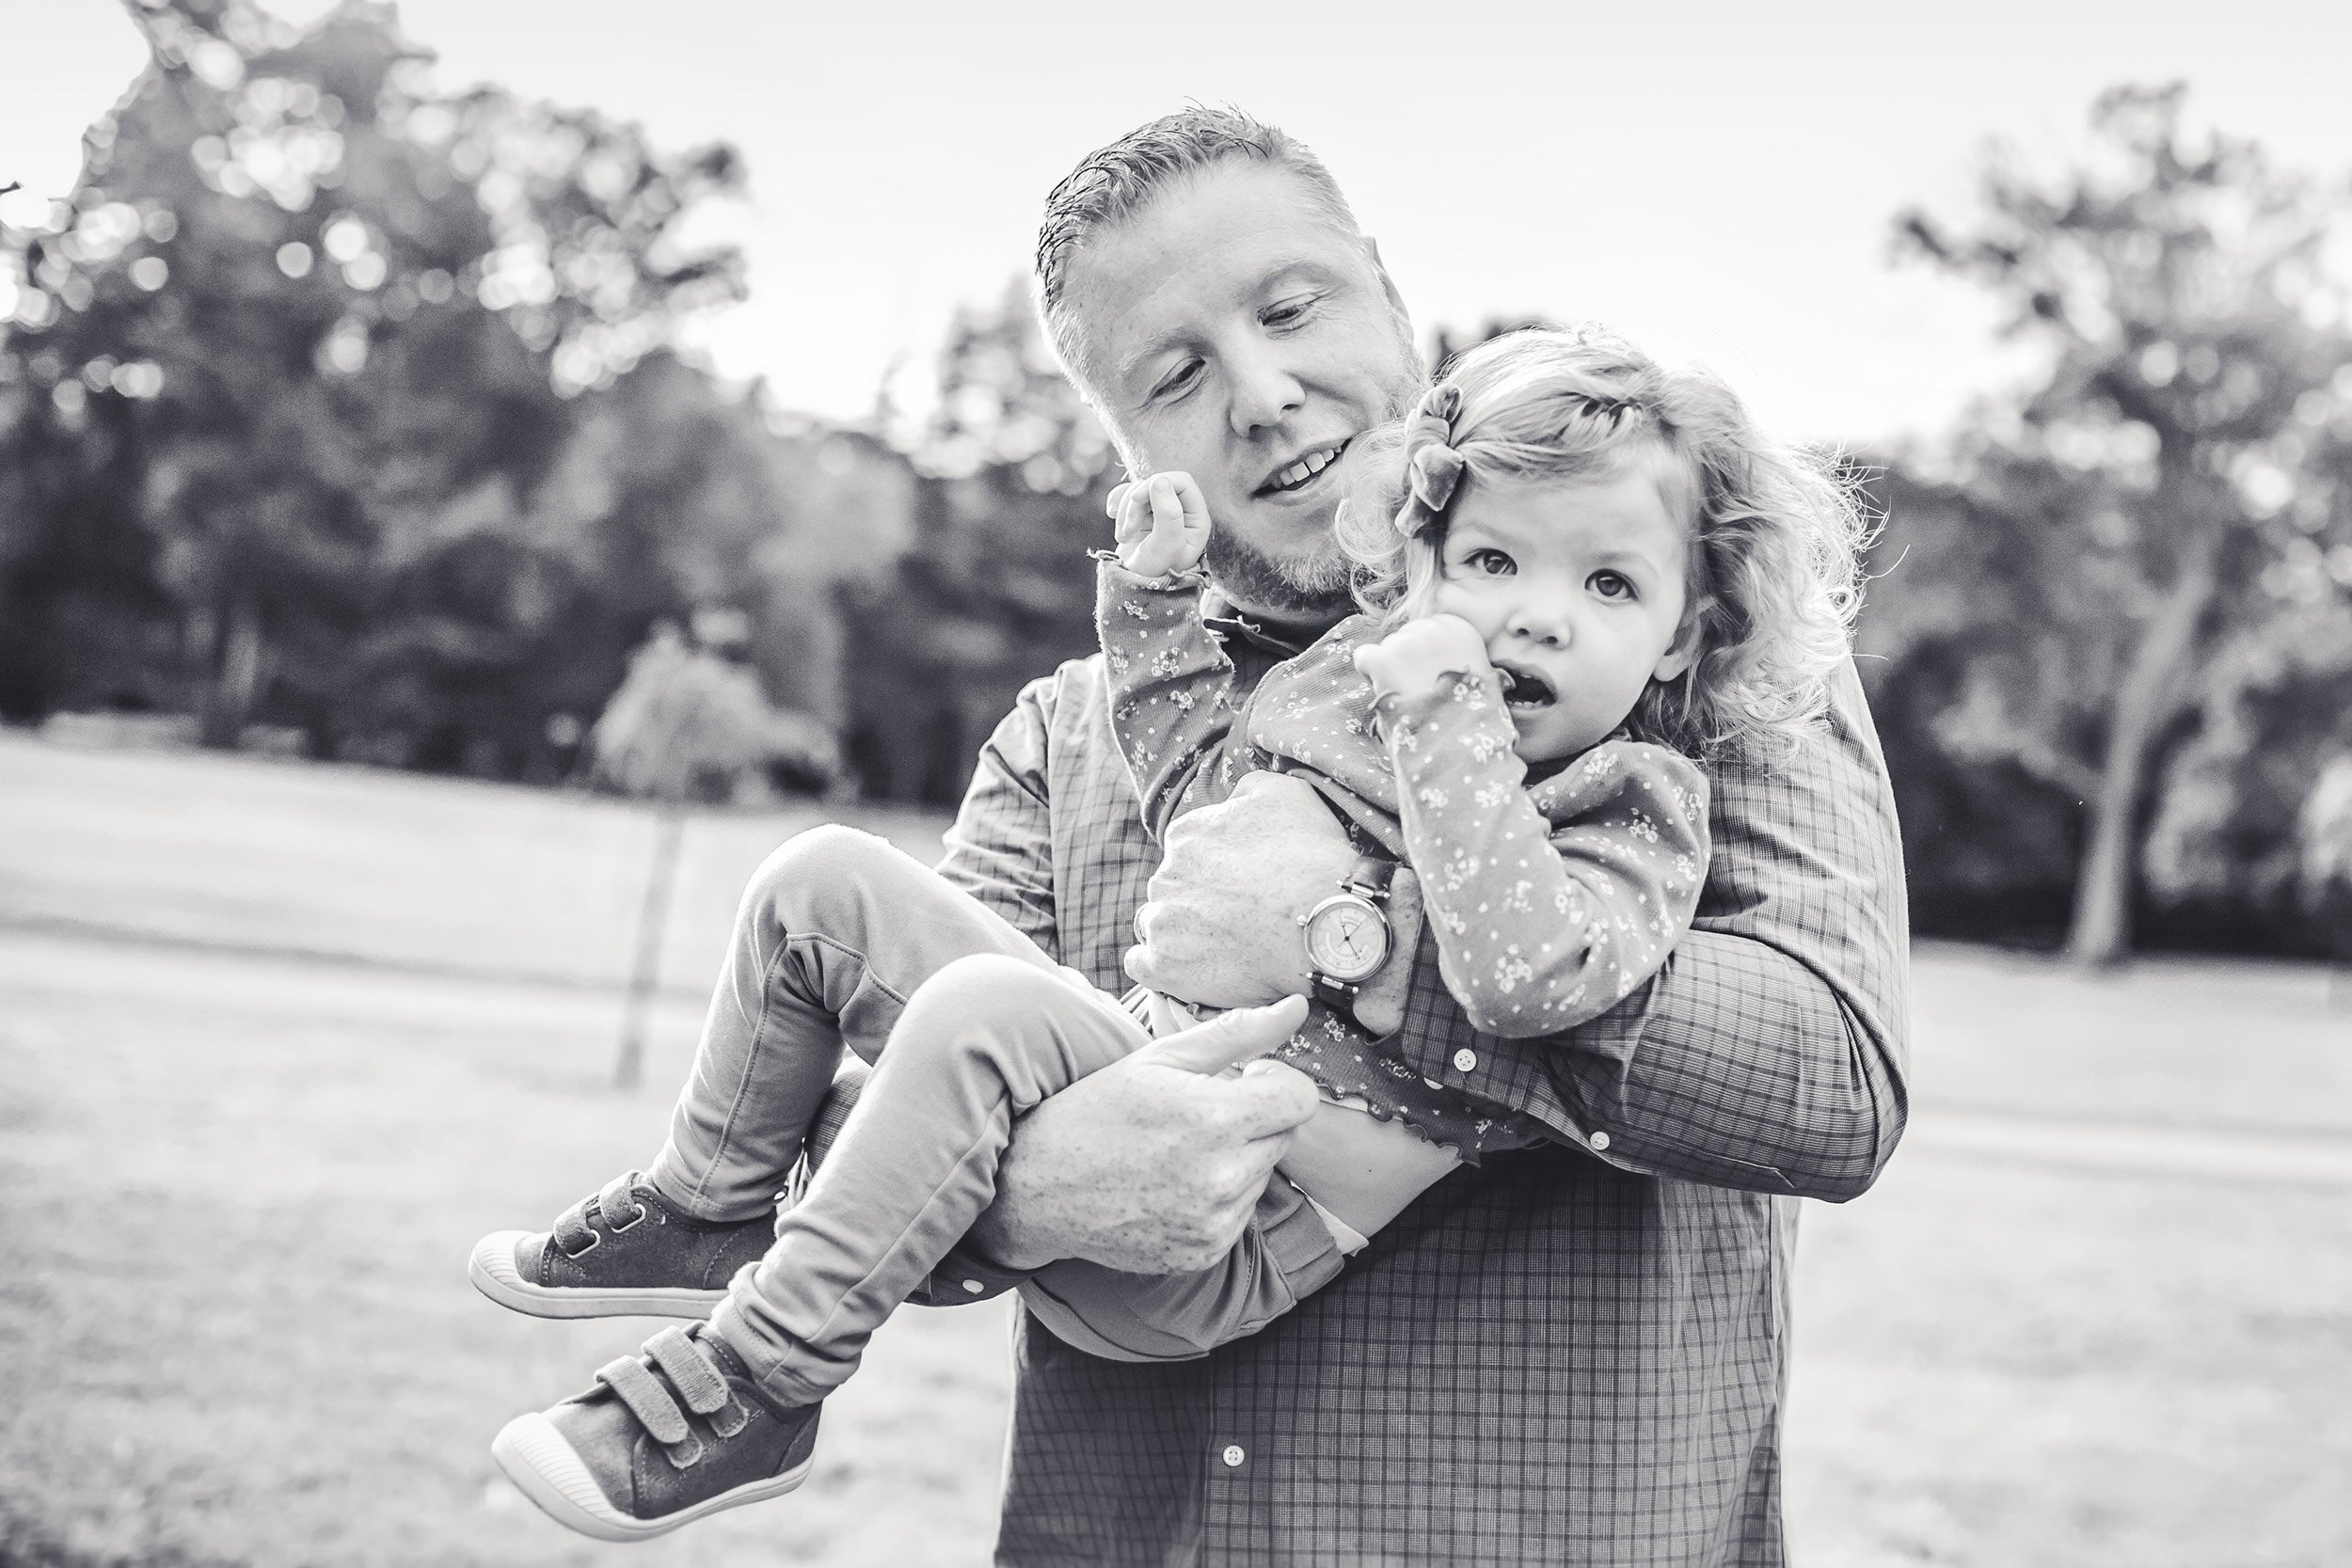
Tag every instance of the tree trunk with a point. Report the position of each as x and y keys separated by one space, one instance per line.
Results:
x=652 y=919
x=2101 y=932
x=236 y=678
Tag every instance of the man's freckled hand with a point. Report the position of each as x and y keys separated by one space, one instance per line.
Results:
x=1221 y=928
x=1154 y=1163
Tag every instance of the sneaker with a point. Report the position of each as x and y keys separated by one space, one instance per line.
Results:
x=624 y=1252
x=663 y=1439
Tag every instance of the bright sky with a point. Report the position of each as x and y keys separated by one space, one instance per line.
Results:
x=1716 y=179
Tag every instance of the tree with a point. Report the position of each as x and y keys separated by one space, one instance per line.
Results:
x=2325 y=872
x=286 y=384
x=687 y=725
x=2158 y=498
x=993 y=588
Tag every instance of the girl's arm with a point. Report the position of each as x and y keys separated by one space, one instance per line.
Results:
x=1171 y=687
x=1170 y=683
x=1544 y=919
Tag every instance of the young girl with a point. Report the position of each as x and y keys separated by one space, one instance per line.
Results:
x=1580 y=572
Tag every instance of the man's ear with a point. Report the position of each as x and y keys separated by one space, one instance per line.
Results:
x=1677 y=660
x=1388 y=284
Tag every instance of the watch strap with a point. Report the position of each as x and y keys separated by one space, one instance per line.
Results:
x=1372 y=876
x=1339 y=995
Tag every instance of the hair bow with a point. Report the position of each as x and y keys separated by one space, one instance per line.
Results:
x=1433 y=467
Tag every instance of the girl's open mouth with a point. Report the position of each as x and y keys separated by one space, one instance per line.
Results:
x=1524 y=687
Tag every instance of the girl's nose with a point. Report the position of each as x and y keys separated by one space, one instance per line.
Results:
x=1540 y=624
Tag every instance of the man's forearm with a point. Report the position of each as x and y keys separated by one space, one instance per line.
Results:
x=1737 y=1065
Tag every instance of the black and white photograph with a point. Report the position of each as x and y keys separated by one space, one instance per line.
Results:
x=1074 y=786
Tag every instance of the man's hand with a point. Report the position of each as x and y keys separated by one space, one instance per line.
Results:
x=1154 y=1163
x=1221 y=925
x=1162 y=523
x=1423 y=653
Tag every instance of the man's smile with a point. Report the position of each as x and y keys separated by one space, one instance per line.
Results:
x=1301 y=471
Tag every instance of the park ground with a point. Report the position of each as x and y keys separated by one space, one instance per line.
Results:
x=278 y=1041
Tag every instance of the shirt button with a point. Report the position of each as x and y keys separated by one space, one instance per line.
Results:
x=973 y=1286
x=1233 y=1456
x=1465 y=1060
x=1599 y=1141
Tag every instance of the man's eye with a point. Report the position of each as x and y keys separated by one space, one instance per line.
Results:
x=1289 y=313
x=1178 y=380
x=1490 y=563
x=1610 y=585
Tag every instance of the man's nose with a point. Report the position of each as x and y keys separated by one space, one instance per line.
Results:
x=1265 y=392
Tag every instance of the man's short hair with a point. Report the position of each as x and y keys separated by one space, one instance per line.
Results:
x=1113 y=182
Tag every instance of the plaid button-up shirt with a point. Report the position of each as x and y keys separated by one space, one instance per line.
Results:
x=1570 y=1354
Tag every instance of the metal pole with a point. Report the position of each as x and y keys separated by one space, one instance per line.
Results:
x=652 y=919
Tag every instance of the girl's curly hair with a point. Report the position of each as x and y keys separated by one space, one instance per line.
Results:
x=1772 y=580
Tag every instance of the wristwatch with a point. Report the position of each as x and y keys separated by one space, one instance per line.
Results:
x=1347 y=934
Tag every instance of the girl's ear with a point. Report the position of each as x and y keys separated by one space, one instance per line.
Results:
x=1677 y=660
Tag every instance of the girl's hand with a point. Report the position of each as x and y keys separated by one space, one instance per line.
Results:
x=1420 y=654
x=1163 y=524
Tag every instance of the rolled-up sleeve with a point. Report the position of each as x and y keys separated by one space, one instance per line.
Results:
x=1000 y=849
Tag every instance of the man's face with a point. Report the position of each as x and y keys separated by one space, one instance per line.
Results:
x=1230 y=329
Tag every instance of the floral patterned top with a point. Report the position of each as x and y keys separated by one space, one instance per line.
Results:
x=1550 y=900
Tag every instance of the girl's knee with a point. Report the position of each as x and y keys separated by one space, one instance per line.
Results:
x=978 y=995
x=1031 y=1027
x=820 y=867
x=825 y=848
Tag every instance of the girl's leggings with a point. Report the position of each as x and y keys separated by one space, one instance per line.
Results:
x=843 y=939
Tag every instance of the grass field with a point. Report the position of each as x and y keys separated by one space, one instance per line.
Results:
x=278 y=1041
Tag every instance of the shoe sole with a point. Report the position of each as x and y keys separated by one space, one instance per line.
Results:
x=493 y=1273
x=548 y=1471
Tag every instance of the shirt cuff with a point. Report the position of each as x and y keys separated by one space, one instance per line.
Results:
x=1190 y=579
x=964 y=1276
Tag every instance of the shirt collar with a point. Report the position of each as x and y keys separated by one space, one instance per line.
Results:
x=1218 y=615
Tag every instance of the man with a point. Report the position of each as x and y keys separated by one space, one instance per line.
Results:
x=1565 y=1356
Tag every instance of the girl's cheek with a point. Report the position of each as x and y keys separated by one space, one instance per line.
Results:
x=1452 y=599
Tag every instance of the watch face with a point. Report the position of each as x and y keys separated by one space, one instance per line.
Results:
x=1347 y=939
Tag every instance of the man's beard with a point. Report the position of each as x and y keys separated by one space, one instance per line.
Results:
x=1312 y=587
x=1317 y=586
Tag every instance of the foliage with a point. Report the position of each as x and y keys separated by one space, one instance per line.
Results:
x=688 y=724
x=340 y=403
x=2115 y=574
x=992 y=589
x=2325 y=878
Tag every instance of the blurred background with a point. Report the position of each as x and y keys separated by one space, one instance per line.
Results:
x=472 y=478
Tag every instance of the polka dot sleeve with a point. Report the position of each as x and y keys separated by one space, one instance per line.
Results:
x=1550 y=902
x=1171 y=687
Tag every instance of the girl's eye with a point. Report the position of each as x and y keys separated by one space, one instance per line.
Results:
x=1488 y=564
x=1610 y=585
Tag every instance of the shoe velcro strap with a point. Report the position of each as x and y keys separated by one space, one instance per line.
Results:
x=618 y=1204
x=690 y=1367
x=572 y=1235
x=646 y=1400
